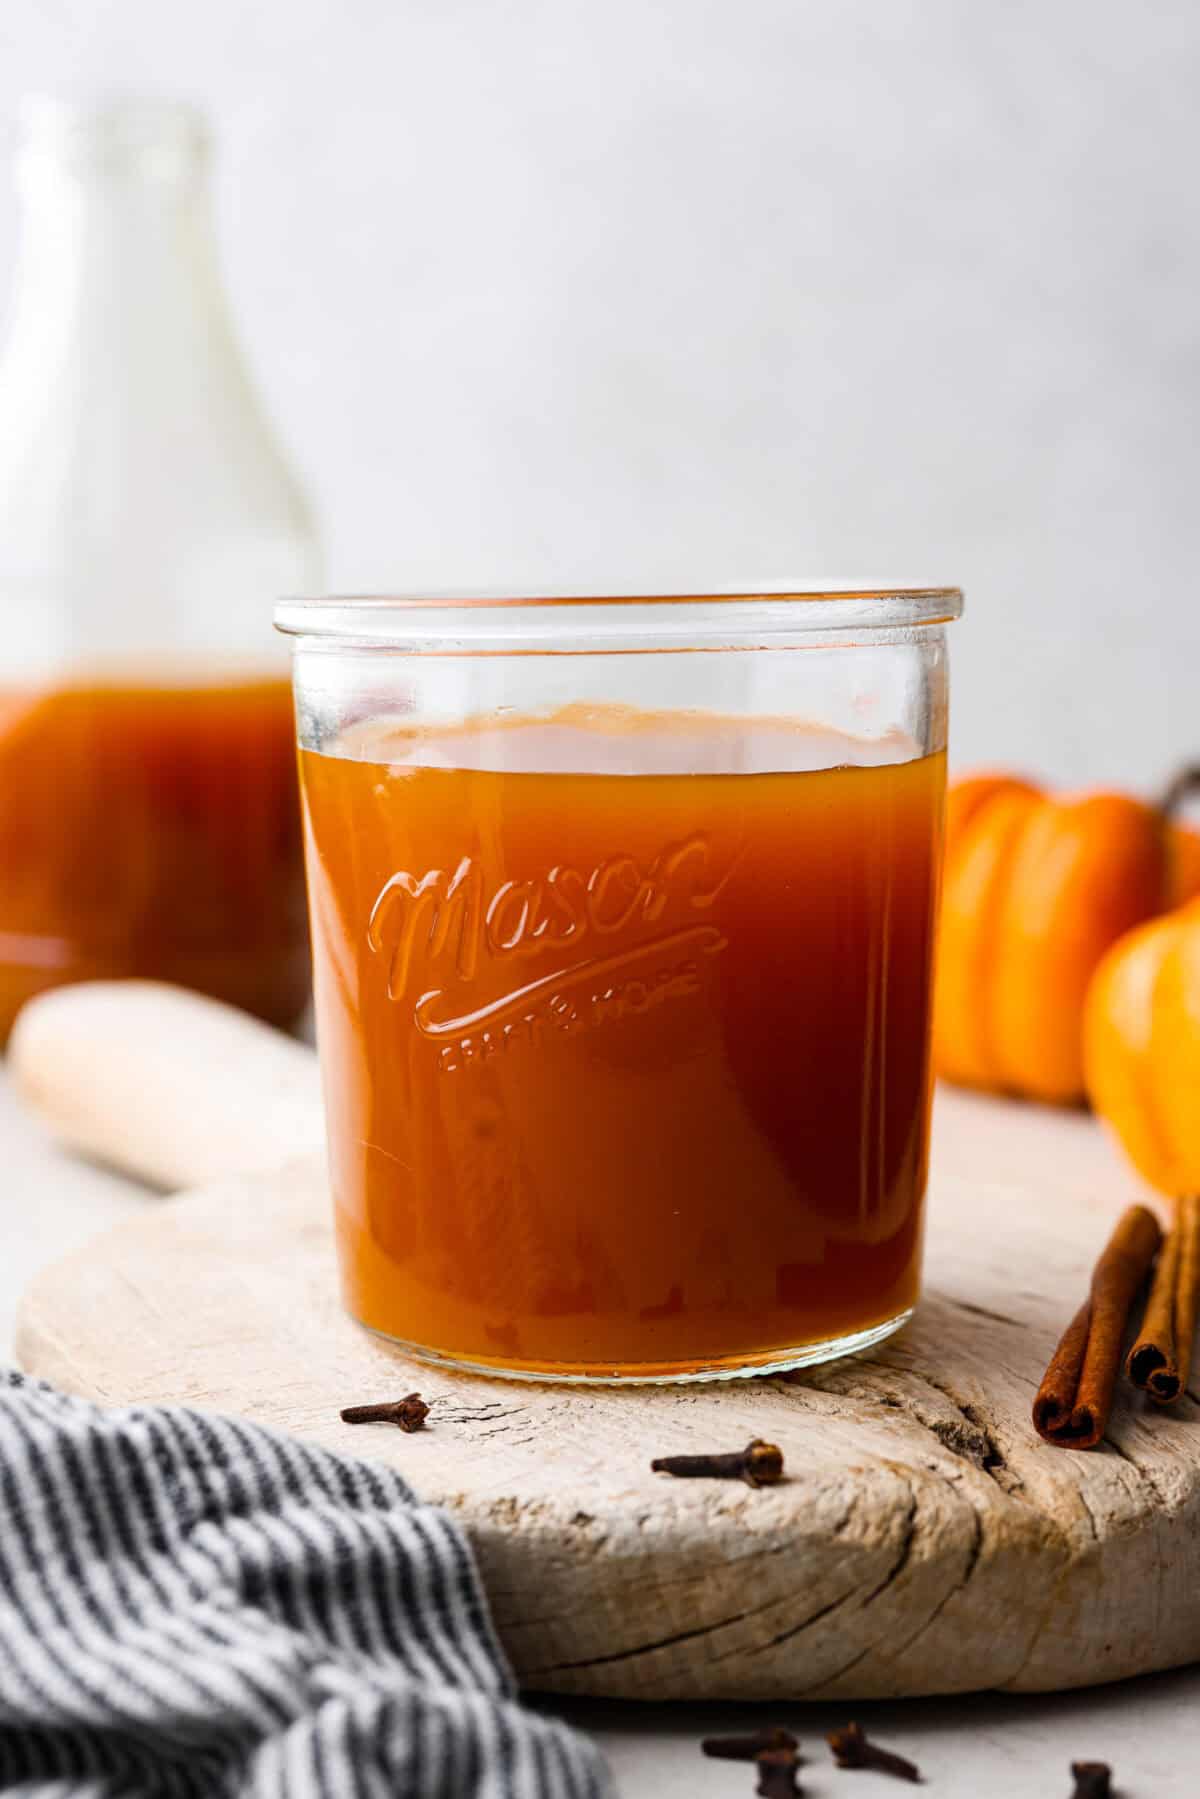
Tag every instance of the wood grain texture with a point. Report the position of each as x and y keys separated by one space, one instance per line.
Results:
x=925 y=1540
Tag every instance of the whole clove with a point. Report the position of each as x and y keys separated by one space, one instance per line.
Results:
x=749 y=1748
x=758 y=1464
x=777 y=1773
x=1093 y=1780
x=853 y=1748
x=409 y=1413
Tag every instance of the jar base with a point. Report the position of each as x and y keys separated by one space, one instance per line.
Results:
x=654 y=1374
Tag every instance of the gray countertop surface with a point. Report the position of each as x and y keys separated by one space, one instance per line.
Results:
x=991 y=1745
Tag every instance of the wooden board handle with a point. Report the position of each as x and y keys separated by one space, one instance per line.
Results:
x=165 y=1084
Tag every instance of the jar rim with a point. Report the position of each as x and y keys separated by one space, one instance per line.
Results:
x=516 y=615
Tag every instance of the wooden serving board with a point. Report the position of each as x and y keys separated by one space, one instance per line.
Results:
x=925 y=1540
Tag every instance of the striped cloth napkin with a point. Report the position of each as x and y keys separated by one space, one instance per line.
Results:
x=192 y=1606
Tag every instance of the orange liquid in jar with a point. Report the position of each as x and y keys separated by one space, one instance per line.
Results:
x=152 y=831
x=625 y=1073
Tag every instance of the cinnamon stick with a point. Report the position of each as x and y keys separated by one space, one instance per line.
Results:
x=1161 y=1359
x=1072 y=1404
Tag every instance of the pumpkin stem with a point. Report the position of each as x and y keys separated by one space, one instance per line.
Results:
x=1185 y=783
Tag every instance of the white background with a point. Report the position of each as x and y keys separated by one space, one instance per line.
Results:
x=671 y=291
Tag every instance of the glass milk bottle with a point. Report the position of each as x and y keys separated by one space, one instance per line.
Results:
x=148 y=813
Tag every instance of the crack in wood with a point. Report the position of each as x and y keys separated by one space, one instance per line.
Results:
x=889 y=1579
x=1145 y=1477
x=897 y=1568
x=1089 y=1514
x=959 y=1585
x=978 y=1311
x=973 y=1440
x=743 y=1616
x=624 y=1655
x=487 y=1412
x=1122 y=1454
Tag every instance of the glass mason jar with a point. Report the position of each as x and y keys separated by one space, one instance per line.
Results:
x=623 y=918
x=149 y=823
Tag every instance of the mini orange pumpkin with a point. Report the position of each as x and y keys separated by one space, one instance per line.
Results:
x=1142 y=1048
x=1036 y=889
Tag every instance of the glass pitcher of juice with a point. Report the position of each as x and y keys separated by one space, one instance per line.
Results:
x=623 y=920
x=149 y=822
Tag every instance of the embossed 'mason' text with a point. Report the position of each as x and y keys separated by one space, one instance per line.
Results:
x=446 y=924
